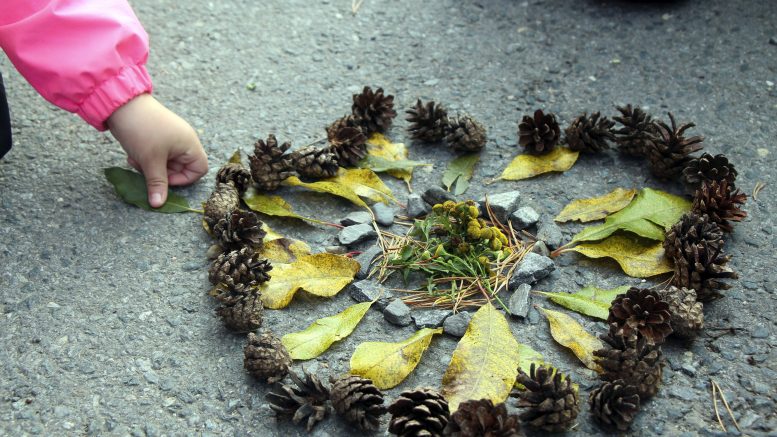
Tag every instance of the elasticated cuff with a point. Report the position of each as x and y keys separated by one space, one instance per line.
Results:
x=131 y=81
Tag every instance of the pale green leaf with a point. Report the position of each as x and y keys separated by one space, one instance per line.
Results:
x=459 y=172
x=319 y=336
x=591 y=301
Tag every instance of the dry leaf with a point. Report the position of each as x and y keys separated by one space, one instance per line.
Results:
x=528 y=356
x=388 y=364
x=380 y=147
x=591 y=301
x=284 y=250
x=596 y=208
x=272 y=205
x=527 y=166
x=351 y=184
x=485 y=362
x=322 y=274
x=317 y=338
x=568 y=333
x=637 y=257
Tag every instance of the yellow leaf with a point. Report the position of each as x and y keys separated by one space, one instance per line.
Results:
x=485 y=362
x=527 y=356
x=273 y=206
x=284 y=250
x=526 y=166
x=322 y=274
x=596 y=208
x=388 y=364
x=351 y=184
x=568 y=333
x=235 y=158
x=637 y=257
x=591 y=301
x=379 y=146
x=317 y=337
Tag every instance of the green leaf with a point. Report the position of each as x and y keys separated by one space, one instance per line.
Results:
x=131 y=187
x=649 y=215
x=591 y=301
x=235 y=159
x=380 y=165
x=319 y=336
x=273 y=205
x=459 y=173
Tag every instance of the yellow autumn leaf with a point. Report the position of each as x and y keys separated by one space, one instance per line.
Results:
x=322 y=274
x=273 y=205
x=379 y=146
x=568 y=333
x=351 y=184
x=317 y=337
x=527 y=356
x=388 y=364
x=284 y=250
x=596 y=208
x=485 y=362
x=527 y=166
x=591 y=301
x=637 y=257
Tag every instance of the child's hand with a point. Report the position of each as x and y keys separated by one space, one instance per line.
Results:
x=159 y=144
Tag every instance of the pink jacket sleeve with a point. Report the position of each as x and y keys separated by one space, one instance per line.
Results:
x=86 y=56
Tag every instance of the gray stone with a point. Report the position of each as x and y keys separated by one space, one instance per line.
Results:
x=337 y=250
x=519 y=301
x=533 y=267
x=540 y=248
x=524 y=217
x=682 y=392
x=397 y=313
x=384 y=214
x=433 y=318
x=356 y=218
x=355 y=234
x=435 y=195
x=365 y=261
x=368 y=291
x=416 y=206
x=760 y=332
x=549 y=232
x=456 y=325
x=773 y=40
x=502 y=204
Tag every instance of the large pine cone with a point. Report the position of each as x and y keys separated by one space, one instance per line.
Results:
x=641 y=310
x=306 y=401
x=239 y=228
x=358 y=401
x=239 y=270
x=482 y=418
x=270 y=165
x=344 y=121
x=419 y=412
x=266 y=358
x=241 y=312
x=349 y=145
x=637 y=132
x=314 y=163
x=703 y=268
x=631 y=359
x=373 y=111
x=707 y=168
x=465 y=134
x=614 y=404
x=590 y=134
x=687 y=313
x=551 y=402
x=692 y=229
x=670 y=152
x=222 y=201
x=235 y=173
x=539 y=134
x=721 y=203
x=427 y=122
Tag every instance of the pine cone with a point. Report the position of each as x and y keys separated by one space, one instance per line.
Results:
x=349 y=145
x=687 y=314
x=308 y=400
x=637 y=132
x=239 y=270
x=590 y=134
x=721 y=203
x=373 y=111
x=313 y=163
x=707 y=168
x=540 y=134
x=270 y=165
x=342 y=122
x=239 y=228
x=702 y=268
x=242 y=312
x=427 y=122
x=692 y=229
x=235 y=173
x=614 y=404
x=465 y=134
x=551 y=401
x=483 y=418
x=641 y=310
x=631 y=359
x=358 y=401
x=222 y=201
x=669 y=152
x=266 y=358
x=419 y=412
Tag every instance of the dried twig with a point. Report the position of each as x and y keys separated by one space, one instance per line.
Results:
x=355 y=5
x=757 y=189
x=717 y=390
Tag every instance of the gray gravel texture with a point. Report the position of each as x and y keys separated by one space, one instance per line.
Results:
x=106 y=326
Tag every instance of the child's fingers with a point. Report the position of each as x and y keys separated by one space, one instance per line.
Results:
x=155 y=172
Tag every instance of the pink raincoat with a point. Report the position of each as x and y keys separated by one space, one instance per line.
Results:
x=85 y=56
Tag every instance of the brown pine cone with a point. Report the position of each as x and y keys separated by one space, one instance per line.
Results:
x=465 y=134
x=307 y=401
x=235 y=173
x=427 y=122
x=239 y=228
x=703 y=268
x=550 y=401
x=373 y=111
x=222 y=201
x=687 y=314
x=641 y=310
x=314 y=163
x=721 y=203
x=637 y=132
x=239 y=270
x=708 y=168
x=242 y=312
x=590 y=134
x=692 y=229
x=340 y=123
x=419 y=412
x=614 y=404
x=266 y=358
x=358 y=401
x=483 y=418
x=539 y=134
x=270 y=165
x=670 y=152
x=349 y=145
x=632 y=360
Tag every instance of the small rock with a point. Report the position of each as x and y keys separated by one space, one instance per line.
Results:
x=384 y=215
x=337 y=250
x=356 y=218
x=430 y=318
x=397 y=313
x=549 y=232
x=773 y=40
x=456 y=325
x=760 y=332
x=368 y=291
x=540 y=248
x=192 y=266
x=365 y=261
x=533 y=268
x=416 y=206
x=355 y=234
x=524 y=217
x=502 y=204
x=435 y=195
x=519 y=301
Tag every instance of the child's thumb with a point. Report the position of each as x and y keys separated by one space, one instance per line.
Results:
x=155 y=172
